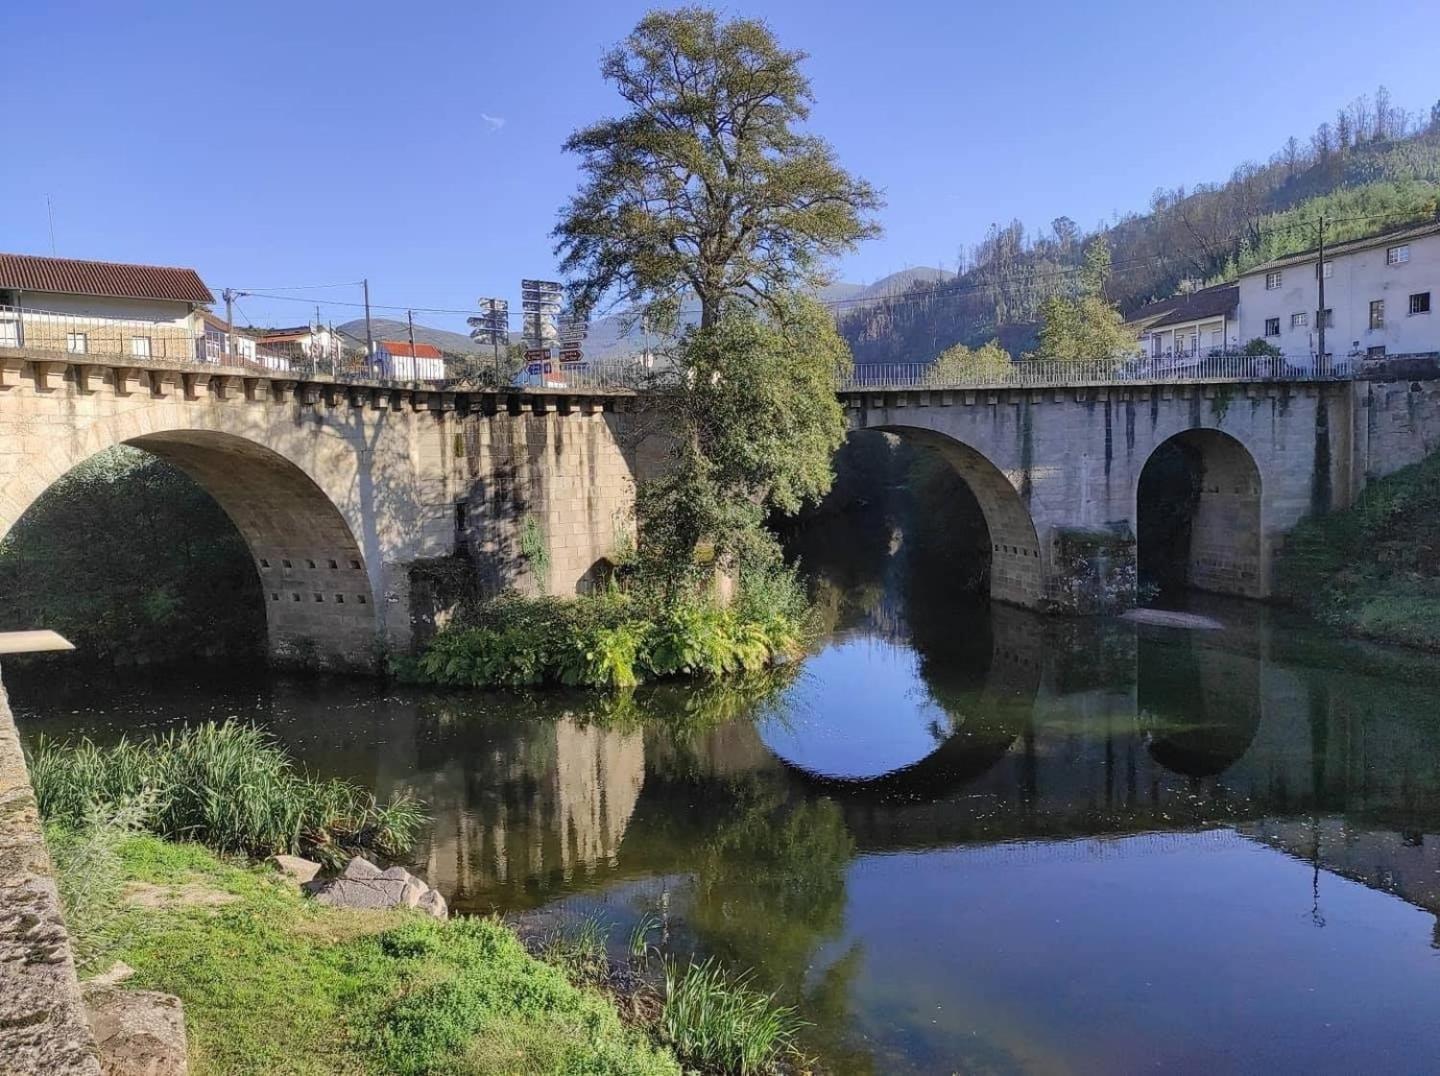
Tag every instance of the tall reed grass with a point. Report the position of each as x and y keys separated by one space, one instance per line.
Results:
x=719 y=1022
x=229 y=786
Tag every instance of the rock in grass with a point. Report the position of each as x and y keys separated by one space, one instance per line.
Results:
x=433 y=903
x=296 y=869
x=363 y=885
x=117 y=973
x=139 y=1032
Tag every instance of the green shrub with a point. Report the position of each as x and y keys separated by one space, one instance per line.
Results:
x=719 y=1022
x=229 y=786
x=1373 y=569
x=611 y=640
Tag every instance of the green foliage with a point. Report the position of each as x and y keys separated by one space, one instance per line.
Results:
x=720 y=1023
x=1088 y=326
x=964 y=365
x=752 y=419
x=275 y=983
x=611 y=640
x=227 y=785
x=704 y=187
x=1260 y=347
x=536 y=551
x=1373 y=569
x=125 y=556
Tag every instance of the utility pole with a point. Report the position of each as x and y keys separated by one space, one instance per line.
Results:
x=369 y=333
x=495 y=330
x=229 y=296
x=410 y=317
x=1320 y=278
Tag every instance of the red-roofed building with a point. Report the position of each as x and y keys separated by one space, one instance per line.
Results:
x=399 y=360
x=67 y=304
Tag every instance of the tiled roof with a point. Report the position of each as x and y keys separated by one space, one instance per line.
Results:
x=401 y=349
x=1215 y=302
x=113 y=280
x=1350 y=246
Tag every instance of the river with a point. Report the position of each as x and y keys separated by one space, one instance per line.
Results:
x=959 y=837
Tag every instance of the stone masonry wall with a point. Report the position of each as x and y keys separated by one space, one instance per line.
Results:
x=43 y=1029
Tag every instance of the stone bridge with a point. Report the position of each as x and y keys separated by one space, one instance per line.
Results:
x=341 y=489
x=1057 y=470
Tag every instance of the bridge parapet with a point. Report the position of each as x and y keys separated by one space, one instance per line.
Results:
x=1217 y=368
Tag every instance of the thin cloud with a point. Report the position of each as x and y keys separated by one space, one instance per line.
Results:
x=493 y=122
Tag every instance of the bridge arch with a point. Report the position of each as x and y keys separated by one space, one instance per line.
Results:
x=320 y=604
x=1198 y=503
x=1017 y=576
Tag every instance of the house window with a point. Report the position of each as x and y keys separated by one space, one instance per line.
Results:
x=1377 y=314
x=1397 y=255
x=1375 y=352
x=140 y=346
x=75 y=342
x=1420 y=303
x=1272 y=326
x=1326 y=318
x=1300 y=320
x=1272 y=280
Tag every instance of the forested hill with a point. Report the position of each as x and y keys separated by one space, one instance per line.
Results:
x=1374 y=167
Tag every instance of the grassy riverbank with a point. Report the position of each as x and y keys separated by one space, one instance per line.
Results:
x=1373 y=570
x=272 y=982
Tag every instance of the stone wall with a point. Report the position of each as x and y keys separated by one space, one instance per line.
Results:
x=339 y=488
x=43 y=1029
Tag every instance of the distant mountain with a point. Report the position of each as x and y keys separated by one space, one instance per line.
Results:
x=611 y=337
x=388 y=329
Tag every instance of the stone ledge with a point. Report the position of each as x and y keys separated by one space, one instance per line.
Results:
x=43 y=1028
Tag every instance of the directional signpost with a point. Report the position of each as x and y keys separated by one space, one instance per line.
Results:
x=492 y=327
x=541 y=302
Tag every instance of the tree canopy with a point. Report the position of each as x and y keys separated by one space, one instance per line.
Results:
x=1087 y=326
x=704 y=190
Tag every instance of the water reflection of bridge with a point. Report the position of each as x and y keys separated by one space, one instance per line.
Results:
x=1106 y=733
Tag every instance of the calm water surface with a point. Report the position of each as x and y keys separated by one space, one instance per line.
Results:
x=961 y=838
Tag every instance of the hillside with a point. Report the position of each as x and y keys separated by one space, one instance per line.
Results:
x=389 y=329
x=1374 y=168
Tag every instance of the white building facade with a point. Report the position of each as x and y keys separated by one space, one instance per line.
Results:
x=1380 y=298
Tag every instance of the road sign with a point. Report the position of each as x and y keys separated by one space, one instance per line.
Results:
x=537 y=354
x=571 y=354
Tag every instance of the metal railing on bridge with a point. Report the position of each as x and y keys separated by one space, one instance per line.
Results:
x=1065 y=373
x=190 y=341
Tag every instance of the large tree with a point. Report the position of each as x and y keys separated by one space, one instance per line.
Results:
x=704 y=190
x=1087 y=326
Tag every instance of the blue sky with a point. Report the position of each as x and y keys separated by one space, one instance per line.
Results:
x=277 y=144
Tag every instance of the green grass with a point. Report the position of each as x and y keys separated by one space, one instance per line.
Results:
x=229 y=786
x=273 y=983
x=720 y=1023
x=1373 y=570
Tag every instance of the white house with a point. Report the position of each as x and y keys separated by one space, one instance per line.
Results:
x=1379 y=296
x=1189 y=326
x=322 y=346
x=65 y=304
x=399 y=360
x=229 y=345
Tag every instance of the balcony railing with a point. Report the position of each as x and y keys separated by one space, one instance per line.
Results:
x=1061 y=373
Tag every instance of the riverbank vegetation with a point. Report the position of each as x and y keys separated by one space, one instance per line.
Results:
x=229 y=786
x=1373 y=570
x=272 y=982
